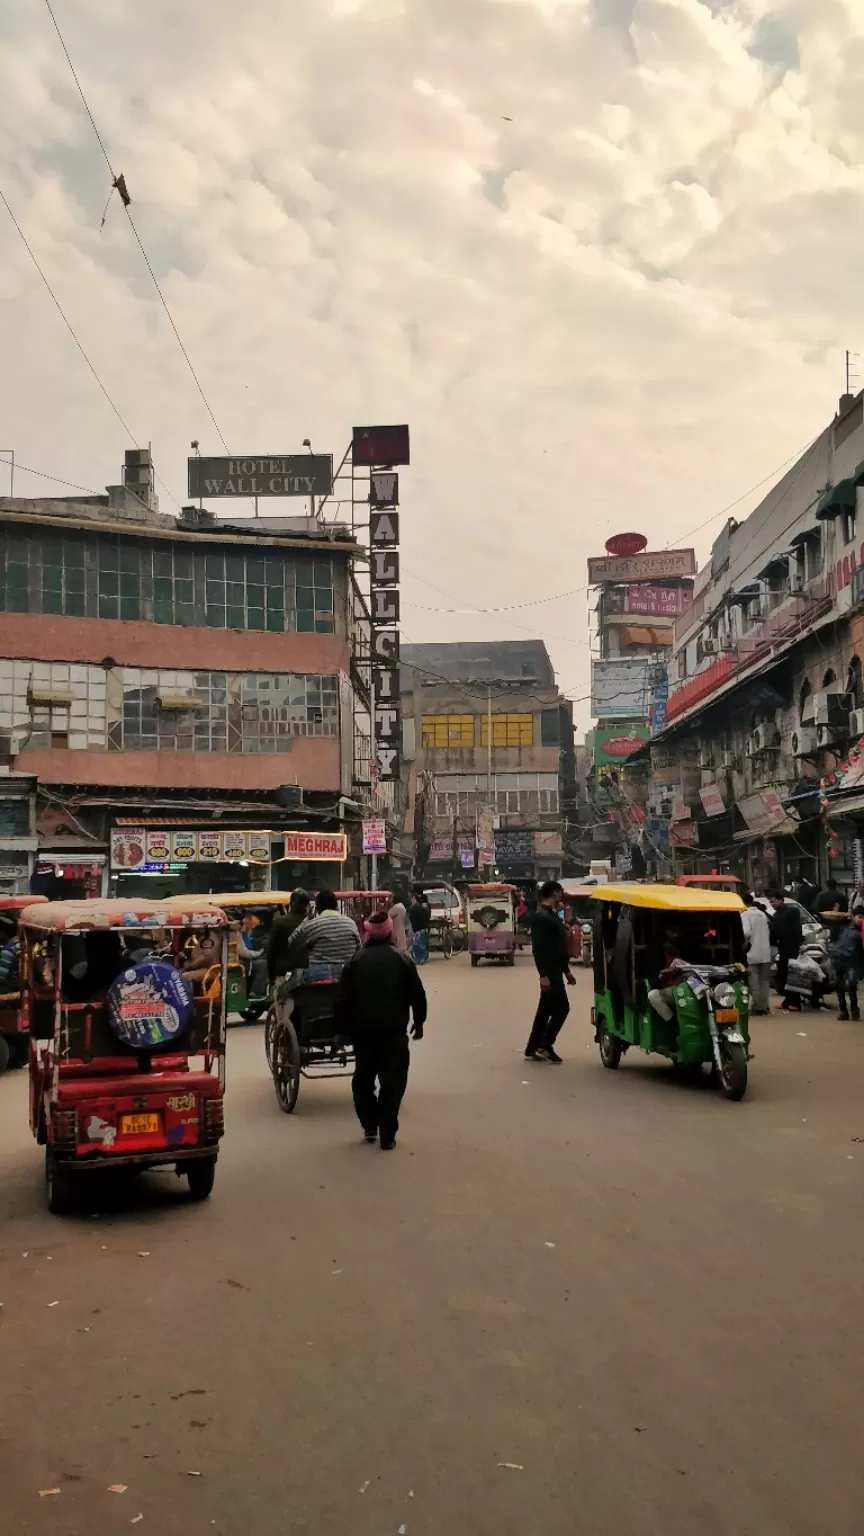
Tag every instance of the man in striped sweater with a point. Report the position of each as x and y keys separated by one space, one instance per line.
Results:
x=328 y=938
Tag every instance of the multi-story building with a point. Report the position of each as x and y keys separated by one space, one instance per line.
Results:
x=759 y=765
x=485 y=726
x=181 y=692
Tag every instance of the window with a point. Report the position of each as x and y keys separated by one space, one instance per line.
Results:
x=550 y=728
x=448 y=730
x=246 y=712
x=850 y=523
x=508 y=730
x=109 y=576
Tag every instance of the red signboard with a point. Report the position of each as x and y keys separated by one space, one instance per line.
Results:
x=665 y=601
x=380 y=446
x=620 y=746
x=626 y=544
x=322 y=847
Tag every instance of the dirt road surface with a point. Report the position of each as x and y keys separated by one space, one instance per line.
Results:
x=571 y=1300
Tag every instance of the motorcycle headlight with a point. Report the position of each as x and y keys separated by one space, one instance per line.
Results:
x=724 y=995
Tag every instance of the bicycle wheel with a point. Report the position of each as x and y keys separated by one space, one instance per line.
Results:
x=447 y=944
x=286 y=1065
x=269 y=1032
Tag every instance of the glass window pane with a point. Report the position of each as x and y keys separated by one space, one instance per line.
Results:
x=215 y=592
x=274 y=621
x=163 y=589
x=107 y=607
x=183 y=564
x=130 y=608
x=255 y=618
x=129 y=585
x=255 y=571
x=52 y=602
x=75 y=605
x=163 y=562
x=215 y=616
x=130 y=558
x=109 y=583
x=215 y=566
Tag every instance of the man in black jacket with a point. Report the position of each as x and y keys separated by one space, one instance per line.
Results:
x=786 y=935
x=278 y=951
x=379 y=992
x=552 y=959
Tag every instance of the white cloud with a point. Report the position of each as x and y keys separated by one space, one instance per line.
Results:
x=620 y=307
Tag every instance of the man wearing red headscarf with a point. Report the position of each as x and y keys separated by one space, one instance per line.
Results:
x=379 y=993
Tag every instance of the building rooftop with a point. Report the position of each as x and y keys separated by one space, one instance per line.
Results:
x=472 y=661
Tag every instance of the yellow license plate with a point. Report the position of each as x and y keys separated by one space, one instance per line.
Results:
x=726 y=1015
x=138 y=1125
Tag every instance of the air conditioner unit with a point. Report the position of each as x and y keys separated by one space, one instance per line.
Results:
x=829 y=735
x=803 y=741
x=727 y=760
x=711 y=646
x=751 y=746
x=706 y=757
x=828 y=706
x=757 y=609
x=796 y=581
x=766 y=737
x=136 y=458
x=856 y=722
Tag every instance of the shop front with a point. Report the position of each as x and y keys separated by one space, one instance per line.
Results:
x=154 y=862
x=311 y=861
x=69 y=874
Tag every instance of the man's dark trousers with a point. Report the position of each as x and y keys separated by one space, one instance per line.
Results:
x=383 y=1056
x=552 y=1010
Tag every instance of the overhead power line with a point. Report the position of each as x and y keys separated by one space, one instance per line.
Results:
x=115 y=182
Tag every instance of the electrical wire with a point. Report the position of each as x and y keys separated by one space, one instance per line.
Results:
x=133 y=227
x=67 y=322
x=27 y=469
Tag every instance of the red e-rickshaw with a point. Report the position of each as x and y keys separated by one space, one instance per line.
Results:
x=127 y=1053
x=13 y=1018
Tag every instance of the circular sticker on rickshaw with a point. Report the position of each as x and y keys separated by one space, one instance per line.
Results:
x=149 y=1005
x=490 y=917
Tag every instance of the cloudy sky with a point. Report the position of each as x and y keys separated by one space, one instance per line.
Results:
x=603 y=255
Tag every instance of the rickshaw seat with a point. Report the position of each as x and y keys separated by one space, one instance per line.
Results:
x=134 y=1084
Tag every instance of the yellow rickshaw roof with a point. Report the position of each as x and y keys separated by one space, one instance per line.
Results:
x=115 y=913
x=669 y=898
x=244 y=899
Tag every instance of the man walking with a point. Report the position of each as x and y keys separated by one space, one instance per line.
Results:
x=786 y=933
x=757 y=938
x=552 y=959
x=379 y=992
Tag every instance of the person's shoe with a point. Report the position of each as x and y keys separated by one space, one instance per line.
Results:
x=855 y=1014
x=387 y=1144
x=553 y=1056
x=843 y=1016
x=370 y=1135
x=541 y=1054
x=530 y=1055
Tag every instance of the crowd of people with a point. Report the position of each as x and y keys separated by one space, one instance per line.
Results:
x=782 y=933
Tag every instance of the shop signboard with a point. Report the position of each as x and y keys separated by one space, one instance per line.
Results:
x=547 y=845
x=210 y=847
x=281 y=474
x=660 y=602
x=652 y=565
x=467 y=851
x=485 y=836
x=764 y=813
x=318 y=847
x=682 y=834
x=713 y=803
x=513 y=847
x=259 y=847
x=128 y=848
x=621 y=689
x=375 y=835
x=441 y=848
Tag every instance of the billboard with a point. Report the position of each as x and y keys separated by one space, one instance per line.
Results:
x=622 y=689
x=384 y=598
x=616 y=743
x=653 y=565
x=660 y=602
x=292 y=474
x=380 y=446
x=321 y=847
x=375 y=835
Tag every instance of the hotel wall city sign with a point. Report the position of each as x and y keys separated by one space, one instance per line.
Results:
x=384 y=598
x=293 y=474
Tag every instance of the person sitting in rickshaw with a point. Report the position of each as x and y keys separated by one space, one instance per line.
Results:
x=201 y=957
x=328 y=938
x=10 y=958
x=662 y=997
x=282 y=932
x=251 y=949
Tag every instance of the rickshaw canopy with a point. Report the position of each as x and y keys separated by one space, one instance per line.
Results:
x=107 y=913
x=243 y=899
x=18 y=903
x=668 y=898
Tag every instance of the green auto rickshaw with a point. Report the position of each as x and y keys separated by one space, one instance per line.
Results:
x=670 y=977
x=253 y=912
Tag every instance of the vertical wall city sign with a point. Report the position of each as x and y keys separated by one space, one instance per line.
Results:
x=384 y=593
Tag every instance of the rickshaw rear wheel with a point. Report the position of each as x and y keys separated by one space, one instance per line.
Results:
x=59 y=1185
x=611 y=1049
x=447 y=944
x=286 y=1065
x=733 y=1071
x=201 y=1173
x=5 y=1054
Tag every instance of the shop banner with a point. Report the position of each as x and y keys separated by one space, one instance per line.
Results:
x=375 y=835
x=258 y=844
x=764 y=812
x=547 y=845
x=612 y=745
x=465 y=845
x=184 y=847
x=485 y=835
x=661 y=602
x=158 y=847
x=319 y=847
x=682 y=834
x=514 y=847
x=210 y=847
x=128 y=848
x=233 y=846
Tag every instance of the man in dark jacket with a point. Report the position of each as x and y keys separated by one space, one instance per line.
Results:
x=552 y=959
x=278 y=959
x=379 y=992
x=786 y=934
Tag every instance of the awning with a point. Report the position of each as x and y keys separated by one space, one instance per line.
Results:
x=854 y=806
x=838 y=498
x=786 y=828
x=807 y=536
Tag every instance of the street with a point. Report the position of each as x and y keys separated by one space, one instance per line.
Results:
x=570 y=1300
